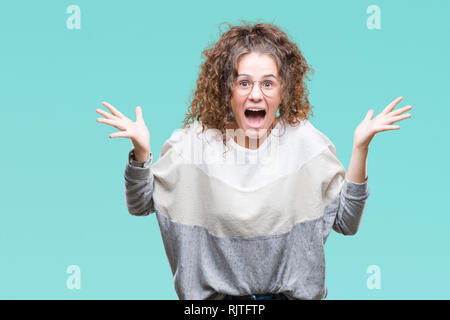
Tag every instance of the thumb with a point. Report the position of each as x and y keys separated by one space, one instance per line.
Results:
x=138 y=111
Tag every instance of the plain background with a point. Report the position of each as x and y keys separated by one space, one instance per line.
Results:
x=62 y=186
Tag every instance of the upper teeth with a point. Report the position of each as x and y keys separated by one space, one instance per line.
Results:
x=254 y=109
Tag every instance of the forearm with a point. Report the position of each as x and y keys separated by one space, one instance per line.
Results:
x=141 y=155
x=139 y=184
x=357 y=169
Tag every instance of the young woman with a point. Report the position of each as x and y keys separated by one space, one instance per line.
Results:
x=246 y=199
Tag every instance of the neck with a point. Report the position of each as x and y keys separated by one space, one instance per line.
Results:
x=258 y=141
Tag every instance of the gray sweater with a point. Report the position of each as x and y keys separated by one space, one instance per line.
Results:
x=234 y=229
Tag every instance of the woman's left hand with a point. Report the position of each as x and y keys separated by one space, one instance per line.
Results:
x=367 y=129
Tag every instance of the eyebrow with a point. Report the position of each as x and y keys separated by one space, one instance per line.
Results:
x=264 y=76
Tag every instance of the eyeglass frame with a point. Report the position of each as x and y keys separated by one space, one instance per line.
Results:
x=253 y=85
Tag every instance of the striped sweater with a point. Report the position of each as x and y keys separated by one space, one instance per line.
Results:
x=238 y=221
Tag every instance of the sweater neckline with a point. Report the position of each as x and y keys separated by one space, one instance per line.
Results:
x=261 y=147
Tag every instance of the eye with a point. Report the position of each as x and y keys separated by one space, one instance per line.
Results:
x=268 y=83
x=243 y=82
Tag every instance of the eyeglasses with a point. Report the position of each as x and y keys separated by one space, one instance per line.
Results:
x=268 y=87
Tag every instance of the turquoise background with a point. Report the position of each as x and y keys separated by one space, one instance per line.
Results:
x=62 y=188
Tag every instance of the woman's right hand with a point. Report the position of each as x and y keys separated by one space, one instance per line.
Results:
x=136 y=131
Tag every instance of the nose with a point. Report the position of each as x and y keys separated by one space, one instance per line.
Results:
x=256 y=93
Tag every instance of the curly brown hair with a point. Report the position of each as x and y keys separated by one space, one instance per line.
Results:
x=211 y=100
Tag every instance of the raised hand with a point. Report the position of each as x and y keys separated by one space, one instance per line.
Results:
x=367 y=129
x=137 y=131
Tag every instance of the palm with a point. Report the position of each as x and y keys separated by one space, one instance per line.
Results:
x=136 y=131
x=367 y=129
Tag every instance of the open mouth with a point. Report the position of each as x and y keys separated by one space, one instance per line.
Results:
x=255 y=118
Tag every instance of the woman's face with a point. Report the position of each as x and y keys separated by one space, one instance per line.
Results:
x=256 y=66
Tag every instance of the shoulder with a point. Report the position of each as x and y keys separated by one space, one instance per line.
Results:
x=190 y=140
x=307 y=133
x=306 y=144
x=194 y=129
x=303 y=139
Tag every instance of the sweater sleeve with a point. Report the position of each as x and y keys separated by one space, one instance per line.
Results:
x=351 y=204
x=139 y=186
